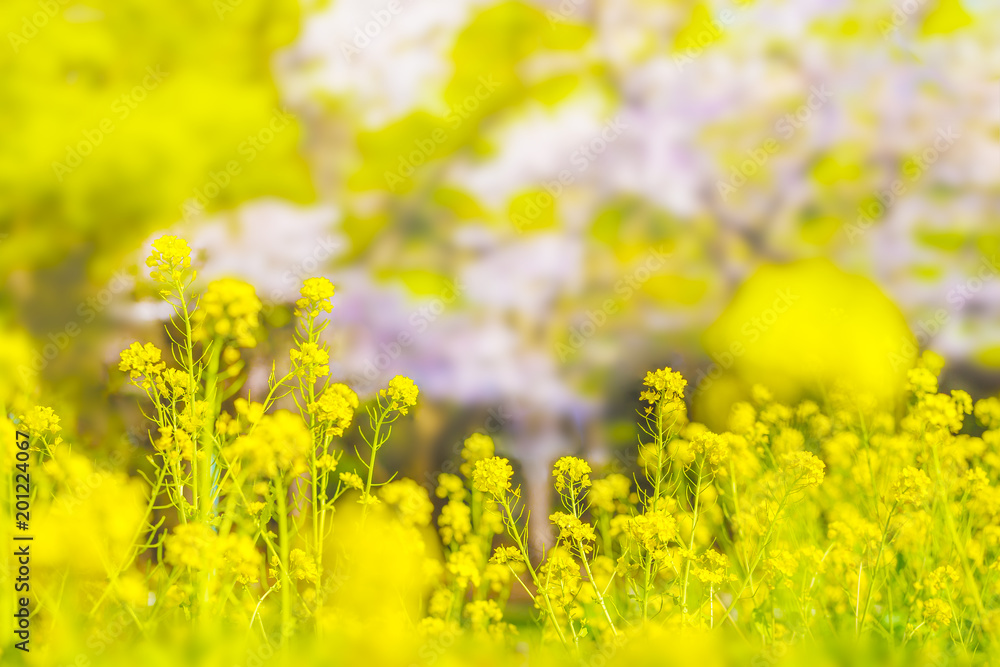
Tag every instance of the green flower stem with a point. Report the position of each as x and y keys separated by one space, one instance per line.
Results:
x=648 y=568
x=694 y=525
x=515 y=533
x=375 y=444
x=286 y=583
x=600 y=596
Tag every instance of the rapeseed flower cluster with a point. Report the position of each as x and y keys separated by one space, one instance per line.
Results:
x=401 y=394
x=837 y=517
x=230 y=311
x=335 y=408
x=170 y=259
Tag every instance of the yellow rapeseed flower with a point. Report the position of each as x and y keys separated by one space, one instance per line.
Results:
x=492 y=476
x=804 y=468
x=911 y=487
x=316 y=294
x=229 y=310
x=664 y=385
x=402 y=394
x=571 y=474
x=409 y=499
x=169 y=259
x=279 y=445
x=504 y=555
x=40 y=420
x=476 y=447
x=142 y=363
x=335 y=408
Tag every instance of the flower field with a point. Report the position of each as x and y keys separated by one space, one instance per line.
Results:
x=842 y=530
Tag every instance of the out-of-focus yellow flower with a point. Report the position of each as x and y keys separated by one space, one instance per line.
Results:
x=451 y=486
x=99 y=512
x=606 y=492
x=230 y=310
x=41 y=421
x=463 y=565
x=938 y=411
x=781 y=563
x=409 y=499
x=455 y=522
x=712 y=568
x=653 y=531
x=486 y=619
x=310 y=360
x=920 y=381
x=988 y=412
x=302 y=566
x=193 y=546
x=804 y=469
x=476 y=447
x=742 y=418
x=936 y=612
x=352 y=481
x=911 y=487
x=242 y=557
x=941 y=579
x=250 y=411
x=279 y=445
x=804 y=326
x=175 y=444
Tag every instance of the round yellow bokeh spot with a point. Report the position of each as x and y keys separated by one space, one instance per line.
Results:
x=799 y=329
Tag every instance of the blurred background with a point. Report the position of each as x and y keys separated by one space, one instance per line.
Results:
x=524 y=205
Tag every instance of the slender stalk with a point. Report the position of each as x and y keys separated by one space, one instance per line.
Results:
x=286 y=584
x=874 y=574
x=648 y=573
x=375 y=445
x=600 y=596
x=694 y=525
x=515 y=533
